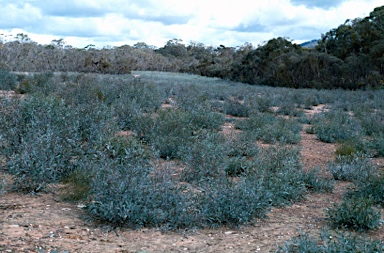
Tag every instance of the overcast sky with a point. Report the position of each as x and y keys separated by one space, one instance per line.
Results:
x=212 y=22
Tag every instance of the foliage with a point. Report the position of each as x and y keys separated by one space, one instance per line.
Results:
x=137 y=199
x=354 y=213
x=204 y=157
x=356 y=167
x=173 y=129
x=8 y=80
x=370 y=188
x=271 y=129
x=336 y=126
x=328 y=243
x=3 y=184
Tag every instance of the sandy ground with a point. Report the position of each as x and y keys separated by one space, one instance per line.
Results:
x=43 y=223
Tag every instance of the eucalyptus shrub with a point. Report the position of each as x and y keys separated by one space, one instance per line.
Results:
x=336 y=126
x=331 y=243
x=235 y=108
x=8 y=80
x=283 y=178
x=378 y=144
x=356 y=167
x=204 y=157
x=171 y=130
x=354 y=213
x=372 y=187
x=225 y=202
x=38 y=83
x=127 y=195
x=42 y=158
x=271 y=129
x=3 y=184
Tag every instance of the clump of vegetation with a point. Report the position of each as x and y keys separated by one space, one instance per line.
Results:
x=236 y=108
x=3 y=184
x=327 y=243
x=336 y=126
x=356 y=167
x=77 y=185
x=370 y=188
x=8 y=80
x=271 y=129
x=354 y=213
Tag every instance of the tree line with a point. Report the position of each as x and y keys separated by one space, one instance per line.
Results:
x=350 y=56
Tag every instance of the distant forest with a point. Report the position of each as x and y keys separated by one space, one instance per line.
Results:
x=350 y=56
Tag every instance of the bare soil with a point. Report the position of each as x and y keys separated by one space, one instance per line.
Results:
x=44 y=223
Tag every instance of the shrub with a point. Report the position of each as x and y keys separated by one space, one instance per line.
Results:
x=340 y=243
x=372 y=188
x=128 y=196
x=77 y=185
x=43 y=158
x=224 y=202
x=336 y=126
x=347 y=148
x=351 y=168
x=283 y=178
x=236 y=108
x=237 y=166
x=170 y=130
x=354 y=213
x=315 y=182
x=3 y=184
x=204 y=157
x=37 y=83
x=378 y=144
x=271 y=129
x=241 y=145
x=8 y=80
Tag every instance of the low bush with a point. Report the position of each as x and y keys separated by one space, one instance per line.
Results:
x=241 y=145
x=372 y=187
x=170 y=130
x=41 y=83
x=235 y=108
x=3 y=184
x=204 y=157
x=127 y=195
x=340 y=243
x=8 y=80
x=77 y=185
x=271 y=129
x=354 y=213
x=237 y=166
x=314 y=182
x=356 y=167
x=347 y=148
x=378 y=144
x=43 y=158
x=336 y=126
x=225 y=202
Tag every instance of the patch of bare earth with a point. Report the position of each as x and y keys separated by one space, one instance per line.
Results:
x=29 y=223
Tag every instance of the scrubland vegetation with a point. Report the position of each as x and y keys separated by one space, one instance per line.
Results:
x=113 y=142
x=150 y=150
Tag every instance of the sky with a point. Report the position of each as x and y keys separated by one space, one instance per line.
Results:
x=211 y=22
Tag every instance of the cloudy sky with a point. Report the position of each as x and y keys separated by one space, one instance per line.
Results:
x=212 y=22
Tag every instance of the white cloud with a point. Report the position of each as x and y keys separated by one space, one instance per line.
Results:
x=213 y=22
